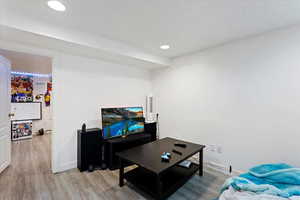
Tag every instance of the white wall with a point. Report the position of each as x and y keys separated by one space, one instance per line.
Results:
x=243 y=96
x=80 y=87
x=40 y=87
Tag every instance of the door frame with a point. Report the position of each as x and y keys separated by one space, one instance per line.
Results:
x=56 y=60
x=4 y=165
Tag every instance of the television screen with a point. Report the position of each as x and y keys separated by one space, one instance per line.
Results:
x=122 y=121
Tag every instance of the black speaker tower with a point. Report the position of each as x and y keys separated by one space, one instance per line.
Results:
x=151 y=128
x=89 y=148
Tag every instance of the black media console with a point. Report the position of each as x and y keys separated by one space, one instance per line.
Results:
x=93 y=151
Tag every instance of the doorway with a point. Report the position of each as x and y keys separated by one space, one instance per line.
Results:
x=31 y=112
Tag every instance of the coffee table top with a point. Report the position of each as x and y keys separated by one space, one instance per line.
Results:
x=148 y=155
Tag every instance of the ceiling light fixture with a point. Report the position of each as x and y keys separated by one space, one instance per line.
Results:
x=56 y=5
x=165 y=47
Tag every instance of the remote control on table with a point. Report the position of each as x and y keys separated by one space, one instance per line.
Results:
x=180 y=145
x=177 y=152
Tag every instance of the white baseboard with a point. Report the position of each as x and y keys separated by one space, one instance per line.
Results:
x=4 y=166
x=65 y=166
x=212 y=165
x=218 y=167
x=222 y=168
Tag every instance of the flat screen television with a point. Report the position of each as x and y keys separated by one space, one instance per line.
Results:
x=118 y=122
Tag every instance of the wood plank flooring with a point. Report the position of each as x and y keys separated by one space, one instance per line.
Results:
x=30 y=177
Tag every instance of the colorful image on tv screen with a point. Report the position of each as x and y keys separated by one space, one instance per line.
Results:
x=122 y=121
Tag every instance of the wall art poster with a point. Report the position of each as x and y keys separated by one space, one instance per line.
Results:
x=21 y=88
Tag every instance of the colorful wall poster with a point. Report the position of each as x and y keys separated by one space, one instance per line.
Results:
x=21 y=88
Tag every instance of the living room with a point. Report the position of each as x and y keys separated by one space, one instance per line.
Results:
x=222 y=74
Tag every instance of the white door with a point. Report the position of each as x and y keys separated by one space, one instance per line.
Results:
x=5 y=139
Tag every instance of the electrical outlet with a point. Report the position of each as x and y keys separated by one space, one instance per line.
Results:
x=214 y=148
x=208 y=147
x=219 y=149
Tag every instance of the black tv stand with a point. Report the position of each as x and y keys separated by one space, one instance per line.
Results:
x=122 y=143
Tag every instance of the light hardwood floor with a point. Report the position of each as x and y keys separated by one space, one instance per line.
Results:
x=29 y=177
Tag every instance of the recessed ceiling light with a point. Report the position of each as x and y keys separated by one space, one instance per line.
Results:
x=56 y=5
x=165 y=47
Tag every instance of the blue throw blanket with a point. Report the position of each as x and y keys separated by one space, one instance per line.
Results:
x=274 y=179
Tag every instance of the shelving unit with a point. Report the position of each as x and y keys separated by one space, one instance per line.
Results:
x=172 y=179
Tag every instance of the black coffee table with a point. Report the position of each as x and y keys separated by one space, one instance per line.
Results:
x=157 y=178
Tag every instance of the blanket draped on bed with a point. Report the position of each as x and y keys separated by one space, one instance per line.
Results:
x=274 y=179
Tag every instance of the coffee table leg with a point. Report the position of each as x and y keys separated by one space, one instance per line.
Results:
x=201 y=163
x=121 y=175
x=159 y=187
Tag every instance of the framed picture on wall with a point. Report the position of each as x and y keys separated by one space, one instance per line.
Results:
x=21 y=130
